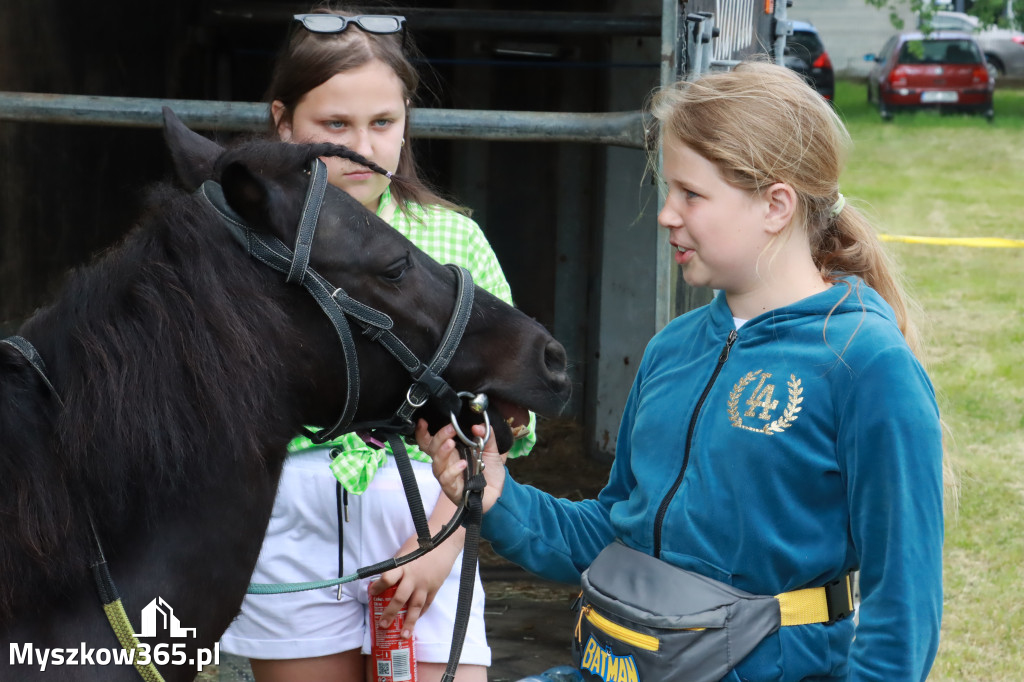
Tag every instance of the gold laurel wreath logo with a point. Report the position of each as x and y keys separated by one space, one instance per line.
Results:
x=789 y=415
x=734 y=399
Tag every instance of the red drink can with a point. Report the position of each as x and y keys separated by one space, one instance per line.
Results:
x=393 y=657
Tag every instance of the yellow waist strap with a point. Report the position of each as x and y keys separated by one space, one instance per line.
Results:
x=811 y=605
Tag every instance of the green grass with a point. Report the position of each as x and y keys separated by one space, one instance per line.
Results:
x=928 y=174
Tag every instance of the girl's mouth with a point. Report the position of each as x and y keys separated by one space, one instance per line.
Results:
x=683 y=255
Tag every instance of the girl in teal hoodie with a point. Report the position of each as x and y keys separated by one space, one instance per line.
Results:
x=786 y=433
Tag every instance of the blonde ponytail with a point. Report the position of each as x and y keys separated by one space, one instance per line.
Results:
x=848 y=245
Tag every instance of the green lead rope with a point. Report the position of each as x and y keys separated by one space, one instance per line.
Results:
x=284 y=588
x=366 y=571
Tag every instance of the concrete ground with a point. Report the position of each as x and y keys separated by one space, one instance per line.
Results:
x=529 y=623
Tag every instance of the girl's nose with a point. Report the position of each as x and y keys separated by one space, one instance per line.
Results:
x=668 y=218
x=360 y=143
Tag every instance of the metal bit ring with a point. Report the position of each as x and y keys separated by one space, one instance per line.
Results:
x=476 y=444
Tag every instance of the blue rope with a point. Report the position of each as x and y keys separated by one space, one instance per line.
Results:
x=283 y=588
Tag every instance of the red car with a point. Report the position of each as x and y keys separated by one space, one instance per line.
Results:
x=939 y=70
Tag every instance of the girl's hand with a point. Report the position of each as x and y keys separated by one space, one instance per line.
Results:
x=418 y=583
x=449 y=467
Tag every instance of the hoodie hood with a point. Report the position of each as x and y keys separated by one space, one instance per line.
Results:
x=846 y=305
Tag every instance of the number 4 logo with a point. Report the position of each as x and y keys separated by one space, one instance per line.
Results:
x=763 y=396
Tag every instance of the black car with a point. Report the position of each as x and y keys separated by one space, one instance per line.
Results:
x=805 y=54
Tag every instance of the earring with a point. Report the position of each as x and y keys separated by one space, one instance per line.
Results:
x=403 y=142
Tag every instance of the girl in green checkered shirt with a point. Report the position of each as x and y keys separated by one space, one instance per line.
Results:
x=340 y=505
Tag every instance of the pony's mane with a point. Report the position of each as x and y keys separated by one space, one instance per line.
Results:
x=166 y=353
x=162 y=352
x=290 y=157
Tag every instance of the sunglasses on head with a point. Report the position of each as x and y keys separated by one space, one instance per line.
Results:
x=335 y=23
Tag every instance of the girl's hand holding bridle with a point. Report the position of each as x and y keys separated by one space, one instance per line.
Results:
x=449 y=468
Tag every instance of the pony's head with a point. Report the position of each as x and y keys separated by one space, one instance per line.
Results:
x=503 y=353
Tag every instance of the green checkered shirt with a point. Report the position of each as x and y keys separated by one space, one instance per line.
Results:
x=447 y=237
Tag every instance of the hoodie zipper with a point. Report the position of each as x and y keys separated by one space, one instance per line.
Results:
x=659 y=518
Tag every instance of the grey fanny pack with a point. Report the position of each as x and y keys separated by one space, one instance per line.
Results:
x=642 y=619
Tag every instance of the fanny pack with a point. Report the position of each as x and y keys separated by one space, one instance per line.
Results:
x=640 y=618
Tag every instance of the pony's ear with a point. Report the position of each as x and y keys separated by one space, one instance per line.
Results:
x=252 y=195
x=193 y=155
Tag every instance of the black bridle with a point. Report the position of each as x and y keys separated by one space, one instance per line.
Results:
x=427 y=386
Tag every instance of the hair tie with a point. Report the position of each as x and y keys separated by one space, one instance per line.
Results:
x=388 y=175
x=837 y=207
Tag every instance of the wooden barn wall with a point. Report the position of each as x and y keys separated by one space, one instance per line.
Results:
x=67 y=191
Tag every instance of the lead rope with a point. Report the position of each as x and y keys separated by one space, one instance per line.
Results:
x=114 y=610
x=471 y=519
x=412 y=489
x=469 y=515
x=470 y=554
x=477 y=404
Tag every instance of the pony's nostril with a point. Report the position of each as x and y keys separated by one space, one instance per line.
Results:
x=554 y=357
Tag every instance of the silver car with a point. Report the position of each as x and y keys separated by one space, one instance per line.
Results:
x=1003 y=48
x=1004 y=51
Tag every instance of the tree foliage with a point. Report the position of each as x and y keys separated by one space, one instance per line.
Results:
x=994 y=12
x=894 y=5
x=989 y=11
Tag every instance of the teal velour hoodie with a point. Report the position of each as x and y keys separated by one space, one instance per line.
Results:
x=773 y=458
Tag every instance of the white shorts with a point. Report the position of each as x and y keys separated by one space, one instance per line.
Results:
x=302 y=545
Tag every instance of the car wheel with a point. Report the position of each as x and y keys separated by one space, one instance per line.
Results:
x=994 y=66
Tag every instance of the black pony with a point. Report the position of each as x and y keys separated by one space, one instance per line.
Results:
x=181 y=367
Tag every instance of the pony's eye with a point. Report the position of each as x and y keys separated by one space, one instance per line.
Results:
x=396 y=271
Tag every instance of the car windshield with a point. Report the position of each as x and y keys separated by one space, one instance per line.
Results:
x=939 y=52
x=952 y=23
x=804 y=44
